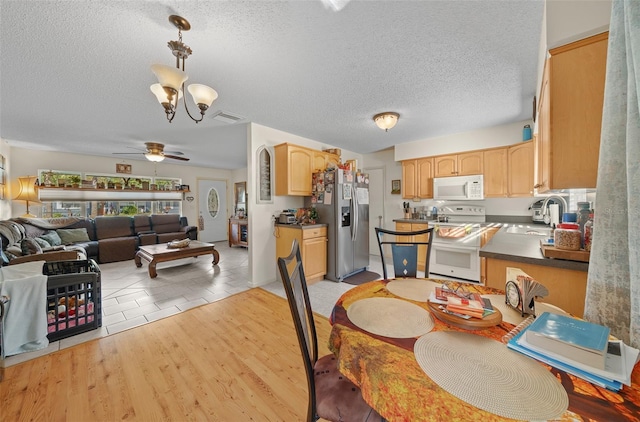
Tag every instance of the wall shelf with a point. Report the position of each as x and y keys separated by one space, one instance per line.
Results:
x=88 y=194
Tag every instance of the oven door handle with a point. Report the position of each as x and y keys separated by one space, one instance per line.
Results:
x=441 y=247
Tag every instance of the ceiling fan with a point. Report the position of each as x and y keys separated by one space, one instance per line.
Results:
x=155 y=152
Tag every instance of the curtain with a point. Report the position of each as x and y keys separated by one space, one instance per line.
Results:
x=613 y=282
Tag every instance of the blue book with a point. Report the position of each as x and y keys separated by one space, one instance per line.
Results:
x=563 y=366
x=573 y=338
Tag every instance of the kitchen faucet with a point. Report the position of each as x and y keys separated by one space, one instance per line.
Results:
x=544 y=207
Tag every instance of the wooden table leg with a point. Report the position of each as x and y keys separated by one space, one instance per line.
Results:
x=216 y=257
x=152 y=269
x=137 y=260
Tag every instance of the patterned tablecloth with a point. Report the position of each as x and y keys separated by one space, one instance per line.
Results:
x=393 y=383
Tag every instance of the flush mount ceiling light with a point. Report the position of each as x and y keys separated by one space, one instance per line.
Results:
x=171 y=80
x=386 y=120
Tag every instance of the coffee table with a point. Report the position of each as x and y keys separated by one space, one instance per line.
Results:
x=161 y=253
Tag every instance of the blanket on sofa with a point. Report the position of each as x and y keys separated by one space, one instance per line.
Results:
x=13 y=231
x=50 y=223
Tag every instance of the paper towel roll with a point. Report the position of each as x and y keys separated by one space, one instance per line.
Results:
x=554 y=214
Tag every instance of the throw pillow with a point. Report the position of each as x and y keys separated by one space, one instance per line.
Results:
x=14 y=250
x=71 y=236
x=43 y=243
x=52 y=237
x=30 y=247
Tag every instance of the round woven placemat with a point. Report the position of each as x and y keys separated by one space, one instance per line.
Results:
x=412 y=289
x=390 y=317
x=488 y=375
x=514 y=317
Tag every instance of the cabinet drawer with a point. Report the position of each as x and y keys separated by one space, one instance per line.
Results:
x=315 y=232
x=403 y=227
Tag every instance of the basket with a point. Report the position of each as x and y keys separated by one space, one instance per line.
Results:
x=74 y=300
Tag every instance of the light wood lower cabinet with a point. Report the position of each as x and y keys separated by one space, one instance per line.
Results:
x=238 y=232
x=567 y=288
x=422 y=249
x=313 y=248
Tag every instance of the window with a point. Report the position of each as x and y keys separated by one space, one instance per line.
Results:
x=59 y=178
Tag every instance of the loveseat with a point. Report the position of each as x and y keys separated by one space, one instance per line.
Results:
x=104 y=238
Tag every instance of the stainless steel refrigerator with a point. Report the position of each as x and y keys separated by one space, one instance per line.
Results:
x=342 y=200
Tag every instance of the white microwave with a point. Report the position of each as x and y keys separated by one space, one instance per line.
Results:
x=459 y=187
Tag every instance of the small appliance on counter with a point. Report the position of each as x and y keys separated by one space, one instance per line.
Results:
x=287 y=217
x=537 y=213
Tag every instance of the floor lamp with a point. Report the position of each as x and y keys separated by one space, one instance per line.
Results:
x=28 y=192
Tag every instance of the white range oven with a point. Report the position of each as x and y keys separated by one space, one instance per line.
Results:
x=456 y=242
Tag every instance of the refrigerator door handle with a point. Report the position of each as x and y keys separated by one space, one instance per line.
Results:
x=354 y=204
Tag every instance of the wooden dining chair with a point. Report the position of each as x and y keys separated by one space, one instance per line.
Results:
x=331 y=395
x=406 y=250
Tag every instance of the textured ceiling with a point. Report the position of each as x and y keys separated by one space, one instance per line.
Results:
x=75 y=75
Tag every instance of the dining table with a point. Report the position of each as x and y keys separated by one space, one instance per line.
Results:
x=413 y=365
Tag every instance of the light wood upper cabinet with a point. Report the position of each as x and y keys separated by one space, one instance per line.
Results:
x=322 y=160
x=417 y=178
x=495 y=173
x=570 y=115
x=458 y=164
x=520 y=170
x=294 y=166
x=409 y=179
x=425 y=177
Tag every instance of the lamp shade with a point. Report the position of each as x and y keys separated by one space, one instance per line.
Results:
x=202 y=94
x=169 y=76
x=156 y=158
x=27 y=189
x=161 y=94
x=386 y=120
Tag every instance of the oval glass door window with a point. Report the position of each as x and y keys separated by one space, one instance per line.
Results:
x=213 y=202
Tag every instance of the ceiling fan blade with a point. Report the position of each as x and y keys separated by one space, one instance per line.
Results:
x=174 y=152
x=175 y=157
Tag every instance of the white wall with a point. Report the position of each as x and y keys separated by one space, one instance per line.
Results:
x=569 y=21
x=495 y=136
x=5 y=204
x=27 y=162
x=262 y=241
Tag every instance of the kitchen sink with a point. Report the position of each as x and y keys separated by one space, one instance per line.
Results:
x=534 y=231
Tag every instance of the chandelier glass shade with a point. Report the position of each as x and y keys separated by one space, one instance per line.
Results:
x=170 y=86
x=386 y=120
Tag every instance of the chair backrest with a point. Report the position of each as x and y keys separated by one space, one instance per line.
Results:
x=406 y=250
x=295 y=284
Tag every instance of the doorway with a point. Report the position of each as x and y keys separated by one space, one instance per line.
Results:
x=212 y=210
x=376 y=206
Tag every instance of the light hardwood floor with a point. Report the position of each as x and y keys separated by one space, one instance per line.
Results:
x=233 y=360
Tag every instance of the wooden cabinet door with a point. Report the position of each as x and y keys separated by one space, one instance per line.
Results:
x=424 y=176
x=319 y=161
x=495 y=173
x=314 y=257
x=445 y=165
x=577 y=95
x=422 y=249
x=300 y=170
x=403 y=227
x=543 y=139
x=520 y=164
x=470 y=163
x=409 y=182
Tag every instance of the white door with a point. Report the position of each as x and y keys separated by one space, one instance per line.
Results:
x=376 y=206
x=212 y=210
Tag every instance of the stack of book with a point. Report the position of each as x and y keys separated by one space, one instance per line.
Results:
x=579 y=348
x=463 y=304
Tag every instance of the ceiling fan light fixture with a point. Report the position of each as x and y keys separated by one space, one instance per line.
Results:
x=386 y=120
x=155 y=157
x=172 y=79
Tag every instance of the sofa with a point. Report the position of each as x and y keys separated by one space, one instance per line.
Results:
x=104 y=239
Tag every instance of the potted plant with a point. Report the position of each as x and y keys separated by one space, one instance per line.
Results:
x=75 y=181
x=313 y=215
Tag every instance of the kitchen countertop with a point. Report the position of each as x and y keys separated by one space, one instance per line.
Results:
x=302 y=226
x=525 y=248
